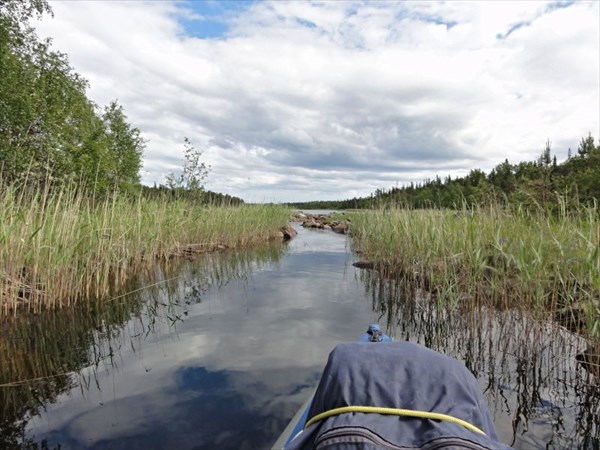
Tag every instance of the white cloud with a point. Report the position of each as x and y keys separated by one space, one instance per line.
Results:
x=321 y=100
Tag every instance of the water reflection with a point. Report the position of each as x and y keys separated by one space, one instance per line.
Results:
x=221 y=353
x=43 y=357
x=537 y=394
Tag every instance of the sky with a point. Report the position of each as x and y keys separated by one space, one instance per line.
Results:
x=329 y=100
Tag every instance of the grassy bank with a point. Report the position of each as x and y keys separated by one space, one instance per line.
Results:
x=57 y=247
x=507 y=256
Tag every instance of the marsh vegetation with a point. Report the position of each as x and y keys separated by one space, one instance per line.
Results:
x=245 y=334
x=495 y=255
x=59 y=246
x=75 y=221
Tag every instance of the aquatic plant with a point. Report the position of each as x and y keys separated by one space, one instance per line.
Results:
x=58 y=246
x=529 y=370
x=508 y=256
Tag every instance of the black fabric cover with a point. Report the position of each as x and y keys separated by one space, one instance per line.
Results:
x=398 y=375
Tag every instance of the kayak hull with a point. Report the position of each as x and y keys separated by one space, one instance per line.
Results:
x=296 y=425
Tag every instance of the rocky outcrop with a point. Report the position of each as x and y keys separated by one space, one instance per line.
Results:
x=341 y=227
x=324 y=222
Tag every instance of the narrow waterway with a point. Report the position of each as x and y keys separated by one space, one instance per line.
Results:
x=221 y=351
x=221 y=358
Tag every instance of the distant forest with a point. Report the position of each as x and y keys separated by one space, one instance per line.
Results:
x=542 y=184
x=202 y=196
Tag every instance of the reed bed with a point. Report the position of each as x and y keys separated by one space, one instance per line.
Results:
x=506 y=255
x=58 y=246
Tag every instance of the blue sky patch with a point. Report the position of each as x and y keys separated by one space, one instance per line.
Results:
x=551 y=7
x=514 y=27
x=210 y=18
x=559 y=5
x=428 y=18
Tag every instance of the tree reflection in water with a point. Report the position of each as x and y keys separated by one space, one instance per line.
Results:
x=539 y=396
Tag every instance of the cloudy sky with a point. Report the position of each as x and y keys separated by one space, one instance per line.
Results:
x=301 y=100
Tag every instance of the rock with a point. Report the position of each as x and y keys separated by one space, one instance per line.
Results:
x=288 y=232
x=341 y=228
x=364 y=264
x=323 y=222
x=310 y=224
x=284 y=233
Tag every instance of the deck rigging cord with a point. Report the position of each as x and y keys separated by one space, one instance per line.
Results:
x=392 y=411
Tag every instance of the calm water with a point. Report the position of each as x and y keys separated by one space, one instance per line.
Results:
x=220 y=352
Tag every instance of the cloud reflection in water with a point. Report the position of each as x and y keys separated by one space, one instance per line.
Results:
x=233 y=372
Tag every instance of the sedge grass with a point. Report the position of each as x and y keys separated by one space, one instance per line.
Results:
x=57 y=246
x=509 y=256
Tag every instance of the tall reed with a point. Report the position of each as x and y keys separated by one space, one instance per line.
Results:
x=58 y=246
x=504 y=254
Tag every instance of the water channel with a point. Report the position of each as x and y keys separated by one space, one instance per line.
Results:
x=220 y=352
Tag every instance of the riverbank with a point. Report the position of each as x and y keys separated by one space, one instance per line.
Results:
x=504 y=256
x=59 y=247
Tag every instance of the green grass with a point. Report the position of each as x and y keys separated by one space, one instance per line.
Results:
x=503 y=255
x=58 y=247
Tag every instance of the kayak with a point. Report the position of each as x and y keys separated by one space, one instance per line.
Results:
x=392 y=395
x=296 y=425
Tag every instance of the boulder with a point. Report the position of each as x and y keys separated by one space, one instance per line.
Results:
x=288 y=232
x=310 y=224
x=341 y=228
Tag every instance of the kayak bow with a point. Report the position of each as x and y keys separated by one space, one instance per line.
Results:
x=298 y=422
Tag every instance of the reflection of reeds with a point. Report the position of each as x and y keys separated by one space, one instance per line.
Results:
x=43 y=354
x=57 y=246
x=39 y=356
x=507 y=256
x=538 y=394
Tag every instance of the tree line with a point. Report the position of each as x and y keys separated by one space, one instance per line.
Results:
x=49 y=130
x=538 y=184
x=53 y=135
